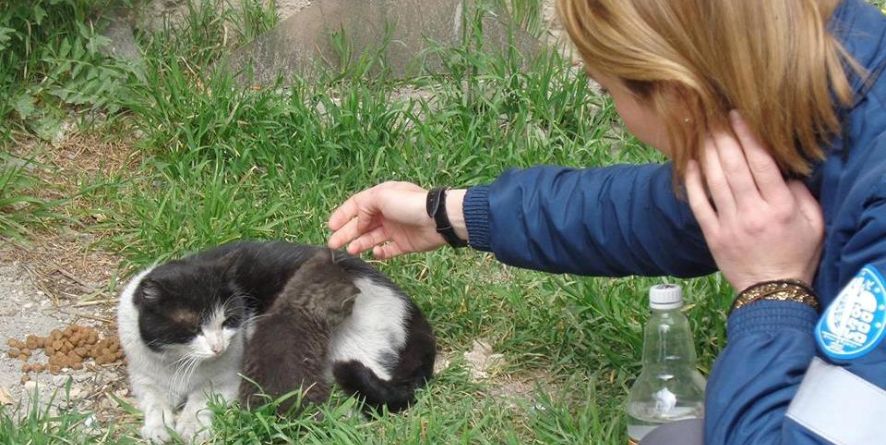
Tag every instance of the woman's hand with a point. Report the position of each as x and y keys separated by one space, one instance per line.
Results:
x=390 y=219
x=760 y=227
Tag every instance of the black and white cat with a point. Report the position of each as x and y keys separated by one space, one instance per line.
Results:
x=185 y=327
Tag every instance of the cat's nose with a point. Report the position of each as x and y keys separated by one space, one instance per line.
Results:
x=217 y=348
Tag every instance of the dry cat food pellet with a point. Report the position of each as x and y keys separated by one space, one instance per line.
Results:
x=65 y=348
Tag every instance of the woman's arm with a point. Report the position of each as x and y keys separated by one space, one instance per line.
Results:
x=612 y=221
x=773 y=384
x=768 y=385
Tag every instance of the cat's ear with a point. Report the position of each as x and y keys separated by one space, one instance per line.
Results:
x=322 y=258
x=341 y=302
x=228 y=264
x=316 y=262
x=149 y=290
x=347 y=305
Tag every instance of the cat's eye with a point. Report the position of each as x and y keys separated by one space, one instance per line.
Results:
x=231 y=321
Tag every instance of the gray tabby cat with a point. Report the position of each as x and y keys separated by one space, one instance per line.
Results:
x=288 y=350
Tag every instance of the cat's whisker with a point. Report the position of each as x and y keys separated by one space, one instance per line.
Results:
x=227 y=305
x=179 y=365
x=192 y=368
x=185 y=370
x=182 y=359
x=189 y=371
x=254 y=319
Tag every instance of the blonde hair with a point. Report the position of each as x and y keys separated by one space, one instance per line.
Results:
x=773 y=61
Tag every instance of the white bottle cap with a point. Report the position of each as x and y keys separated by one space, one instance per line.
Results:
x=665 y=296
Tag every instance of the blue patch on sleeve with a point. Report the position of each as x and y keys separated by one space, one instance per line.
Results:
x=855 y=322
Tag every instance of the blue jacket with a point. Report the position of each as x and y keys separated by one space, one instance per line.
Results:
x=625 y=220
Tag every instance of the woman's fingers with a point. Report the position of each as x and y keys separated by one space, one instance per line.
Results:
x=363 y=206
x=737 y=173
x=386 y=251
x=716 y=180
x=767 y=175
x=698 y=199
x=807 y=204
x=344 y=234
x=344 y=213
x=355 y=217
x=351 y=230
x=368 y=240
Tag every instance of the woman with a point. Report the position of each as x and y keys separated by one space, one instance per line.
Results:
x=740 y=95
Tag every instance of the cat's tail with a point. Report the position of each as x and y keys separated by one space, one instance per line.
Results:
x=356 y=379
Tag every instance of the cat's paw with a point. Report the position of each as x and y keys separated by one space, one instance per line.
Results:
x=155 y=433
x=192 y=430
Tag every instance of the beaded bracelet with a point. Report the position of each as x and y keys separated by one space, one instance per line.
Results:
x=777 y=290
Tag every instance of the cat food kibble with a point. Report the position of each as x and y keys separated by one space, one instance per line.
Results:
x=65 y=348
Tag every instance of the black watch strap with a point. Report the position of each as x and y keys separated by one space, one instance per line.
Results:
x=436 y=207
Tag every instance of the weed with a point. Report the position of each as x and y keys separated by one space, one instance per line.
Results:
x=49 y=422
x=51 y=61
x=19 y=209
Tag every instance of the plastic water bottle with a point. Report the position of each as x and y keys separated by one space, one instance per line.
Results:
x=669 y=387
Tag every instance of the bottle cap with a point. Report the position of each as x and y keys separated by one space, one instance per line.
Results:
x=665 y=296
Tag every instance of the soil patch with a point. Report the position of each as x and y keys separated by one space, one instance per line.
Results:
x=58 y=284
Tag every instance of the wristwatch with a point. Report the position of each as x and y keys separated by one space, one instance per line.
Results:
x=436 y=208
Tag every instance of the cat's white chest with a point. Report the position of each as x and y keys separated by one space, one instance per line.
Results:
x=179 y=378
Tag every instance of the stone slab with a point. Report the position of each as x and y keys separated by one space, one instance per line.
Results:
x=400 y=30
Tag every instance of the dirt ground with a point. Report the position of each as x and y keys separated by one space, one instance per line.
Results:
x=27 y=310
x=57 y=279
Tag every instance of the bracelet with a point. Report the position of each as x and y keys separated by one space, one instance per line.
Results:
x=777 y=290
x=436 y=208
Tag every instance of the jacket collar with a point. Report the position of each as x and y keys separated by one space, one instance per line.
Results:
x=861 y=29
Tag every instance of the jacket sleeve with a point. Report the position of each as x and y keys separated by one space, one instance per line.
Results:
x=612 y=221
x=779 y=382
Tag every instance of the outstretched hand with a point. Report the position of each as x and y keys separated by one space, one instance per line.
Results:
x=389 y=218
x=760 y=227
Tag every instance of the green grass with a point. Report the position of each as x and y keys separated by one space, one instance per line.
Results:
x=20 y=208
x=51 y=68
x=221 y=162
x=37 y=423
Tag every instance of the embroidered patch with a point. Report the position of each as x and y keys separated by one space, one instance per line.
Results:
x=855 y=322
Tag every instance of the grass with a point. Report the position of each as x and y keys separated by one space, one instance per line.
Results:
x=52 y=69
x=33 y=422
x=20 y=207
x=220 y=162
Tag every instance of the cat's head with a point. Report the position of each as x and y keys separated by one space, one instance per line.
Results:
x=322 y=285
x=189 y=308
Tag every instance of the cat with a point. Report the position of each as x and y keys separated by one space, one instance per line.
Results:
x=180 y=326
x=318 y=297
x=185 y=327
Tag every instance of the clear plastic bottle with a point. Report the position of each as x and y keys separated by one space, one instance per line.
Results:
x=669 y=387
